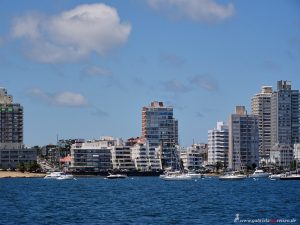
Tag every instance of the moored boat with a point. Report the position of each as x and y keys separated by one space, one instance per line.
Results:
x=259 y=174
x=233 y=176
x=290 y=177
x=175 y=175
x=275 y=176
x=116 y=176
x=59 y=176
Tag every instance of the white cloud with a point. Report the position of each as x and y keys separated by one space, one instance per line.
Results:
x=69 y=99
x=66 y=98
x=73 y=34
x=196 y=10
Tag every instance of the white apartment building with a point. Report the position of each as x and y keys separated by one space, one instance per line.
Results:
x=218 y=145
x=145 y=158
x=297 y=152
x=261 y=107
x=92 y=156
x=121 y=158
x=281 y=155
x=191 y=158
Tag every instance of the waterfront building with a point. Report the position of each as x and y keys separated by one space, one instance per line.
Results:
x=160 y=128
x=191 y=158
x=218 y=145
x=121 y=158
x=261 y=107
x=243 y=140
x=145 y=158
x=297 y=152
x=285 y=105
x=281 y=155
x=11 y=119
x=12 y=149
x=92 y=156
x=14 y=154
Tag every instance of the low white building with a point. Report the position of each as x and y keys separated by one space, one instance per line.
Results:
x=145 y=158
x=281 y=155
x=121 y=158
x=191 y=158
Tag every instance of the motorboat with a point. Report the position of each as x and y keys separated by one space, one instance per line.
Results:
x=176 y=175
x=232 y=176
x=59 y=176
x=195 y=175
x=116 y=176
x=53 y=175
x=66 y=177
x=290 y=177
x=259 y=174
x=275 y=176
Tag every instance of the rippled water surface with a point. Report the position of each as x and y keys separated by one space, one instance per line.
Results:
x=146 y=200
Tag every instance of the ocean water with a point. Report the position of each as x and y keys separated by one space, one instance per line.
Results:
x=148 y=200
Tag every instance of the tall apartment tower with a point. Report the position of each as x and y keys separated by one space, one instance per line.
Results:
x=160 y=128
x=261 y=107
x=11 y=119
x=243 y=140
x=218 y=145
x=285 y=127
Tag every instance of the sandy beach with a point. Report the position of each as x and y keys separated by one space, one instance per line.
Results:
x=15 y=174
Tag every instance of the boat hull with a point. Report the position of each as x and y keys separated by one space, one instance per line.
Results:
x=295 y=177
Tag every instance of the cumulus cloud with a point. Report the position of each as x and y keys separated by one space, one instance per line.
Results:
x=66 y=98
x=195 y=10
x=205 y=82
x=73 y=34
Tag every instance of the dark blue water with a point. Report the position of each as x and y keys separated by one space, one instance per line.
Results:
x=146 y=200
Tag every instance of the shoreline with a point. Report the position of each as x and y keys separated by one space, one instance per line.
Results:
x=17 y=174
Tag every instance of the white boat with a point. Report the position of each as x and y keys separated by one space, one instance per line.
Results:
x=196 y=175
x=259 y=174
x=59 y=176
x=177 y=175
x=275 y=176
x=66 y=177
x=290 y=177
x=233 y=176
x=53 y=175
x=116 y=176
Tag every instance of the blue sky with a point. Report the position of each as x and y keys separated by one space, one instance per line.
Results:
x=84 y=69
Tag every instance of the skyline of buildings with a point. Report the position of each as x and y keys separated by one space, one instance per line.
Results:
x=270 y=133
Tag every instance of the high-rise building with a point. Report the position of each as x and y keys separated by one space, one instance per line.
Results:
x=11 y=119
x=12 y=150
x=218 y=145
x=261 y=107
x=243 y=140
x=161 y=129
x=285 y=127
